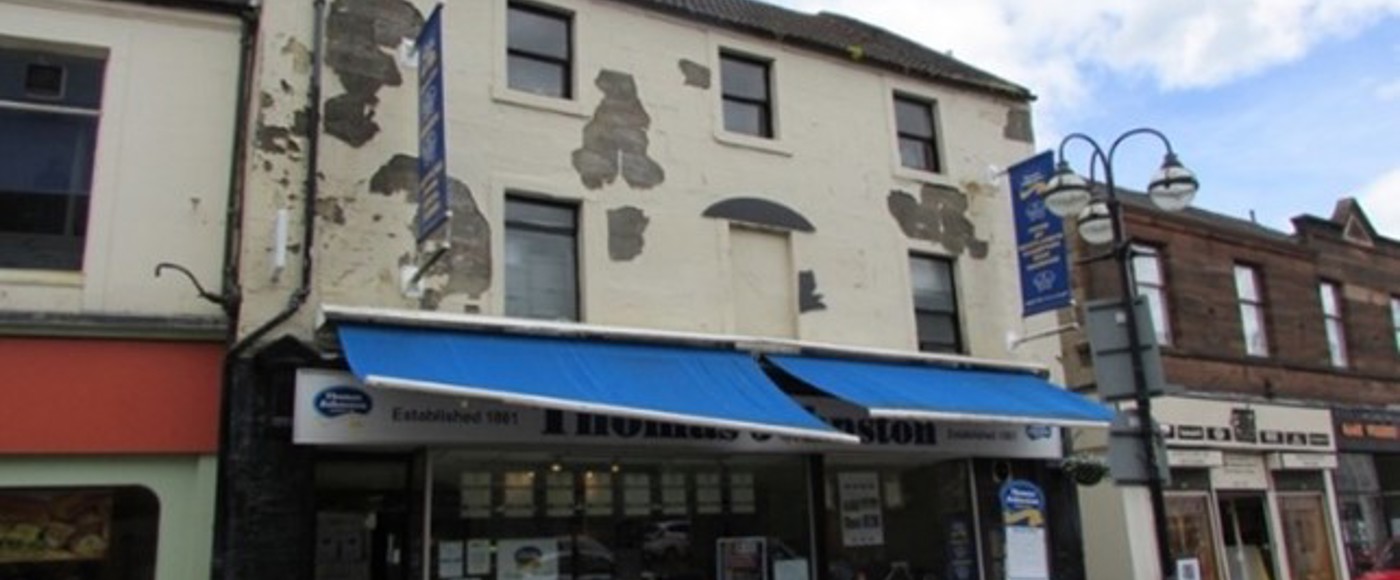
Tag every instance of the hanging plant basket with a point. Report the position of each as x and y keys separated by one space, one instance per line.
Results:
x=1085 y=469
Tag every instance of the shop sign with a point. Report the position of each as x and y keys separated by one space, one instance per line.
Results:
x=1195 y=458
x=1023 y=515
x=333 y=408
x=1372 y=431
x=1240 y=471
x=1302 y=461
x=1237 y=426
x=862 y=519
x=527 y=559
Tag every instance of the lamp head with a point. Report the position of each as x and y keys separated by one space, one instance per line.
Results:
x=1067 y=193
x=1174 y=186
x=1096 y=224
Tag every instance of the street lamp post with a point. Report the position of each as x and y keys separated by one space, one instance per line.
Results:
x=1101 y=221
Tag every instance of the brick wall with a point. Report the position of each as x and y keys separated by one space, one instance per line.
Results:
x=1207 y=353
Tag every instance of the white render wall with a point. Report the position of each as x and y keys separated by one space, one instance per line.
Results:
x=160 y=181
x=835 y=162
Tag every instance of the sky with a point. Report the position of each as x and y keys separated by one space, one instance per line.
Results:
x=1281 y=107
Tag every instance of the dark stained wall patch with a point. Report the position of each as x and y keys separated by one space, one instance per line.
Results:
x=360 y=38
x=939 y=216
x=400 y=173
x=808 y=299
x=761 y=212
x=627 y=227
x=615 y=139
x=468 y=263
x=696 y=74
x=1018 y=126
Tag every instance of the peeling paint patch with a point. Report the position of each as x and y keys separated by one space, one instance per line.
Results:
x=1018 y=126
x=696 y=74
x=939 y=216
x=468 y=264
x=360 y=35
x=398 y=174
x=265 y=100
x=760 y=212
x=300 y=121
x=301 y=55
x=615 y=139
x=329 y=209
x=627 y=227
x=808 y=299
x=274 y=139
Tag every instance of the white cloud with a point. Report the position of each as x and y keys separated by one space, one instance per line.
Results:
x=1381 y=200
x=1178 y=44
x=1388 y=91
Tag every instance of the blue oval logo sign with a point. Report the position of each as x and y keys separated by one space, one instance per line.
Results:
x=343 y=400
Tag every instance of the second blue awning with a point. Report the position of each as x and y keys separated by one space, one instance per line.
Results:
x=919 y=391
x=697 y=386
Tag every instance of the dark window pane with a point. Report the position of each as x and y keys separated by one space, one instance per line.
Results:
x=539 y=77
x=743 y=78
x=538 y=32
x=914 y=118
x=541 y=261
x=935 y=304
x=746 y=118
x=916 y=154
x=521 y=212
x=25 y=76
x=46 y=153
x=940 y=328
x=52 y=533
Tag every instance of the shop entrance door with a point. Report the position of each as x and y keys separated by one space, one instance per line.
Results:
x=1244 y=526
x=1307 y=537
x=363 y=518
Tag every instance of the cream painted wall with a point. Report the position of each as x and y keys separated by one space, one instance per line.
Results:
x=834 y=161
x=165 y=138
x=183 y=484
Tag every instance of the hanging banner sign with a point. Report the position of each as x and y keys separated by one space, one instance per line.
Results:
x=433 y=207
x=1040 y=238
x=1023 y=515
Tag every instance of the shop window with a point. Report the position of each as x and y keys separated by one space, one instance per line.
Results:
x=50 y=104
x=1150 y=284
x=935 y=304
x=507 y=515
x=1330 y=295
x=539 y=50
x=747 y=93
x=66 y=533
x=541 y=259
x=765 y=301
x=917 y=132
x=1192 y=534
x=1252 y=319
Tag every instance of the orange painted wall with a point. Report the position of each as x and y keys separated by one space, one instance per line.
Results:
x=71 y=396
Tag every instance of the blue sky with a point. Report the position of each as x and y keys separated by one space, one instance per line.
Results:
x=1279 y=106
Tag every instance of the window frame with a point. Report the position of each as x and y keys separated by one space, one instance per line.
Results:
x=768 y=130
x=1137 y=251
x=1334 y=320
x=77 y=206
x=959 y=344
x=1395 y=320
x=931 y=141
x=566 y=64
x=1256 y=304
x=507 y=225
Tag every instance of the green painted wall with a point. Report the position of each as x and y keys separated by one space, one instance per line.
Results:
x=183 y=483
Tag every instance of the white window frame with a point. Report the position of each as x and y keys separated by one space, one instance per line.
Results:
x=1155 y=292
x=1330 y=294
x=1252 y=308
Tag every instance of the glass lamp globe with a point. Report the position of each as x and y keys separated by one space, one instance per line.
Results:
x=1096 y=224
x=1067 y=193
x=1174 y=186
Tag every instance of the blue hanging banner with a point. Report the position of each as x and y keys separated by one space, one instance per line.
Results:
x=1040 y=238
x=433 y=207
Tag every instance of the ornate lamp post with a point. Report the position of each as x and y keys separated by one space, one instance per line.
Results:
x=1100 y=220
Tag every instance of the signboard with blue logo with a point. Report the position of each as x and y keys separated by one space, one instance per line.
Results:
x=433 y=207
x=1040 y=238
x=1023 y=516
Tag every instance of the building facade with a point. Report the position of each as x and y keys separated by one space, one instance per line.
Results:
x=725 y=205
x=1283 y=354
x=116 y=157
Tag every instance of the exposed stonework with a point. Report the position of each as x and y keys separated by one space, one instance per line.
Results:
x=468 y=264
x=761 y=212
x=360 y=38
x=398 y=174
x=939 y=216
x=696 y=74
x=626 y=233
x=808 y=299
x=615 y=139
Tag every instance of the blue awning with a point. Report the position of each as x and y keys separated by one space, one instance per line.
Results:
x=717 y=388
x=918 y=391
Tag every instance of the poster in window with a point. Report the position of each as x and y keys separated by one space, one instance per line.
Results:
x=519 y=494
x=636 y=494
x=708 y=496
x=862 y=522
x=673 y=499
x=742 y=558
x=598 y=493
x=527 y=559
x=342 y=546
x=52 y=527
x=475 y=488
x=741 y=493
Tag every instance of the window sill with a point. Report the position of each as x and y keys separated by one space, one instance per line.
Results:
x=922 y=176
x=41 y=278
x=567 y=107
x=742 y=141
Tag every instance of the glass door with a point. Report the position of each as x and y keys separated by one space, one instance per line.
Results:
x=1192 y=532
x=1244 y=522
x=1306 y=537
